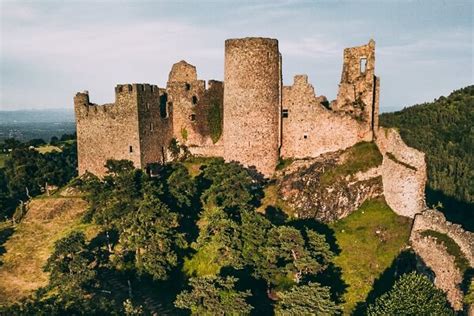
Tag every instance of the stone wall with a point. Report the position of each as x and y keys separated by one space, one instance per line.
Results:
x=108 y=131
x=434 y=254
x=435 y=220
x=310 y=129
x=155 y=124
x=136 y=127
x=403 y=174
x=192 y=103
x=252 y=102
x=358 y=94
x=447 y=277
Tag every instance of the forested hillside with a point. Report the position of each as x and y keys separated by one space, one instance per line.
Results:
x=444 y=130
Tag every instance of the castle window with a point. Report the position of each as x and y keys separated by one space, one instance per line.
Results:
x=147 y=106
x=120 y=89
x=195 y=100
x=284 y=113
x=130 y=88
x=305 y=136
x=363 y=65
x=143 y=88
x=151 y=126
x=187 y=86
x=163 y=101
x=130 y=149
x=192 y=117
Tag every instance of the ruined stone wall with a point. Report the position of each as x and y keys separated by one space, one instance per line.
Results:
x=155 y=123
x=310 y=129
x=403 y=174
x=192 y=104
x=252 y=102
x=435 y=256
x=447 y=276
x=435 y=220
x=358 y=94
x=108 y=131
x=136 y=127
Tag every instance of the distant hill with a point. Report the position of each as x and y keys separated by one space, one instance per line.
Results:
x=37 y=116
x=444 y=130
x=28 y=124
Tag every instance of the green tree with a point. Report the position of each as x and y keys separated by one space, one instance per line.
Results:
x=412 y=294
x=150 y=233
x=232 y=187
x=70 y=266
x=310 y=299
x=214 y=296
x=289 y=253
x=181 y=186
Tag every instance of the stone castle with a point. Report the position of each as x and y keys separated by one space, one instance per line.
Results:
x=251 y=117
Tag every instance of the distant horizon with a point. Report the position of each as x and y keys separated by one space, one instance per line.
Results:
x=50 y=52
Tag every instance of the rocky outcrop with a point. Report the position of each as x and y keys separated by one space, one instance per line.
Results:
x=307 y=191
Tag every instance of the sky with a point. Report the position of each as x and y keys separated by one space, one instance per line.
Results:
x=49 y=50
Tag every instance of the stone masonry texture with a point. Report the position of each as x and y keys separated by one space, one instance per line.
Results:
x=250 y=118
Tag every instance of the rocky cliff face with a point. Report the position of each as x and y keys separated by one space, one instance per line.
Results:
x=330 y=187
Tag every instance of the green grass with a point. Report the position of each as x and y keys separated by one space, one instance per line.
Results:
x=369 y=239
x=47 y=149
x=32 y=242
x=451 y=247
x=283 y=163
x=360 y=157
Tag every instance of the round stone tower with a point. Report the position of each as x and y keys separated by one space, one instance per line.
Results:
x=252 y=97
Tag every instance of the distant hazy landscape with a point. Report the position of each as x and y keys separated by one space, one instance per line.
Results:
x=28 y=124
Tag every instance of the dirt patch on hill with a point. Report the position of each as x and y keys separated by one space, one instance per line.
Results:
x=26 y=251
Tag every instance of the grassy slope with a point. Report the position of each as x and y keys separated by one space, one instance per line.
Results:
x=370 y=239
x=27 y=250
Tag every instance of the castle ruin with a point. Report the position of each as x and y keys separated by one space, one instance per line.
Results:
x=250 y=117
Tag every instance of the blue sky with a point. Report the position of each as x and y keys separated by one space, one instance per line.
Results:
x=52 y=49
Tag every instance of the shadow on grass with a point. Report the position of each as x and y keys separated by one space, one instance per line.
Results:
x=4 y=236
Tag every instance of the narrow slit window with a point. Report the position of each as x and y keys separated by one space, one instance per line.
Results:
x=284 y=113
x=195 y=100
x=192 y=117
x=130 y=149
x=363 y=65
x=187 y=86
x=151 y=127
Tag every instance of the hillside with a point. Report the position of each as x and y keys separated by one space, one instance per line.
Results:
x=31 y=242
x=444 y=130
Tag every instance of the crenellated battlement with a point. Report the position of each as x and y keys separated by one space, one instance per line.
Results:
x=258 y=120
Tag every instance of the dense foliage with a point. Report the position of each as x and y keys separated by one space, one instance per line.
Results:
x=27 y=172
x=444 y=130
x=197 y=235
x=412 y=294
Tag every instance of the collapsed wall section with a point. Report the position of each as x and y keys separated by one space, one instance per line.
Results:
x=252 y=102
x=358 y=94
x=434 y=253
x=310 y=128
x=197 y=111
x=403 y=174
